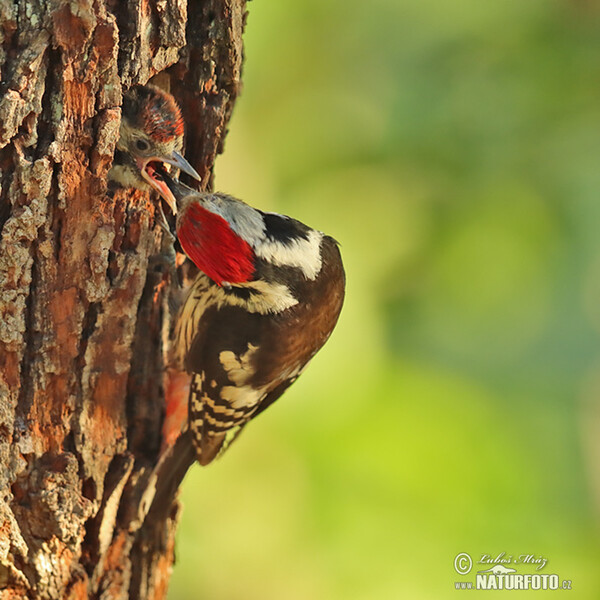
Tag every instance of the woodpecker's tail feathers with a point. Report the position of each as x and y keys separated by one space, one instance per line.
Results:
x=214 y=424
x=211 y=445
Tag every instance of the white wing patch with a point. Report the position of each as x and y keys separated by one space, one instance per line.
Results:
x=269 y=298
x=242 y=396
x=238 y=369
x=301 y=253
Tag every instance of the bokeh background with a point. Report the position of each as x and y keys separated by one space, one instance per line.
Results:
x=453 y=149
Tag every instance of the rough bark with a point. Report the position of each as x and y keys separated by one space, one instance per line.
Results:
x=83 y=288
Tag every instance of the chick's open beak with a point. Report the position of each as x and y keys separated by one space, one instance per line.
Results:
x=154 y=178
x=153 y=174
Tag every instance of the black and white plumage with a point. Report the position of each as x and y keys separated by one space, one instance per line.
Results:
x=269 y=295
x=267 y=298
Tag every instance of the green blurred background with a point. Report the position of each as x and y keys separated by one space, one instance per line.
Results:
x=452 y=148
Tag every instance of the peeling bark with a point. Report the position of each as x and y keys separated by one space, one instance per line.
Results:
x=83 y=288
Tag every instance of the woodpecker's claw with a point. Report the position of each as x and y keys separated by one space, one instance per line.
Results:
x=161 y=219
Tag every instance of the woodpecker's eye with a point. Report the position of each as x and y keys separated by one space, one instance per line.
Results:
x=142 y=144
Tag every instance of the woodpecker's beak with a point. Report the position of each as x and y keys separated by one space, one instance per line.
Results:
x=154 y=177
x=177 y=160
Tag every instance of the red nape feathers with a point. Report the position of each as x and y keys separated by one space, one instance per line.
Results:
x=162 y=117
x=213 y=247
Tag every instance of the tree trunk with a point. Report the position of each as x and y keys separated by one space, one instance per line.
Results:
x=83 y=288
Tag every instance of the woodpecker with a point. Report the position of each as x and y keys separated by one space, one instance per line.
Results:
x=267 y=298
x=151 y=132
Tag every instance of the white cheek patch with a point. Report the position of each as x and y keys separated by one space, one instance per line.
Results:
x=304 y=254
x=126 y=177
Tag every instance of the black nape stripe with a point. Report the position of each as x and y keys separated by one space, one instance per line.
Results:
x=243 y=293
x=284 y=229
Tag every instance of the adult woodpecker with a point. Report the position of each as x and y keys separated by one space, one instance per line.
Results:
x=151 y=132
x=268 y=297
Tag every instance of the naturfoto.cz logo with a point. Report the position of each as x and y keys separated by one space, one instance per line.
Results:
x=496 y=573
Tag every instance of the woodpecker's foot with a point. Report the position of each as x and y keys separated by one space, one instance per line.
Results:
x=161 y=220
x=165 y=262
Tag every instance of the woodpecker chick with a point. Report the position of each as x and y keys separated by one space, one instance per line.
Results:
x=268 y=298
x=151 y=133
